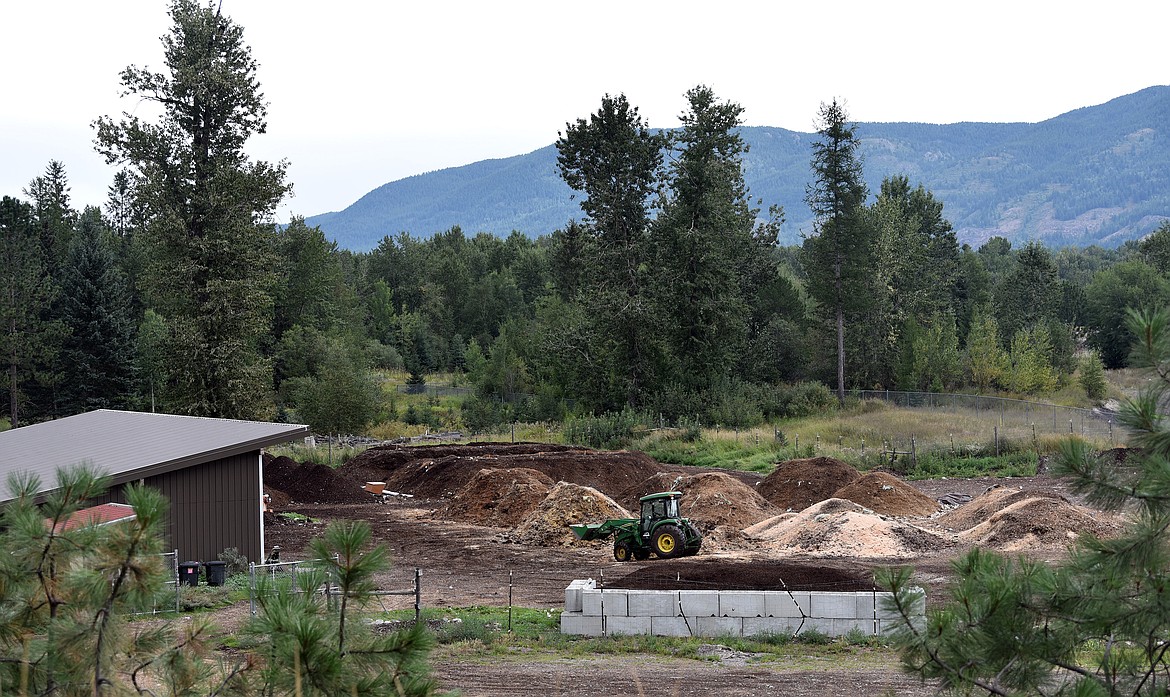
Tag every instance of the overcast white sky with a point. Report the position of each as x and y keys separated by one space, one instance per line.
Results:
x=364 y=92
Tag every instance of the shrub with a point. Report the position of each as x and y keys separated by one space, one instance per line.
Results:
x=609 y=430
x=236 y=563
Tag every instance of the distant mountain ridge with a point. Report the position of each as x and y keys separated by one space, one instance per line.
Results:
x=1096 y=175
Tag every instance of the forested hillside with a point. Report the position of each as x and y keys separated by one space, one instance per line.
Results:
x=1097 y=175
x=660 y=287
x=673 y=297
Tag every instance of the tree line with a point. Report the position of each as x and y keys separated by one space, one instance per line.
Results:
x=670 y=295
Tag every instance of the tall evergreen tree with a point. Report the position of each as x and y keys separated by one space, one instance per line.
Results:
x=210 y=263
x=1028 y=293
x=703 y=237
x=837 y=255
x=99 y=349
x=55 y=217
x=614 y=159
x=28 y=337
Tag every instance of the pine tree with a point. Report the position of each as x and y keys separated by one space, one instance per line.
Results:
x=317 y=650
x=1092 y=625
x=208 y=206
x=99 y=351
x=55 y=217
x=68 y=591
x=1092 y=377
x=837 y=254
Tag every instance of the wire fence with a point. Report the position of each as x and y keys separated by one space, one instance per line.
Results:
x=434 y=390
x=262 y=577
x=1013 y=416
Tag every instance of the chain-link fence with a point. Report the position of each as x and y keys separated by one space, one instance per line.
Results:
x=1013 y=416
x=168 y=597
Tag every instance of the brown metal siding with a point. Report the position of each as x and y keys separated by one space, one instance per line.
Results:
x=214 y=506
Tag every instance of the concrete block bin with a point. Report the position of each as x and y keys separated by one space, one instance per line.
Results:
x=591 y=611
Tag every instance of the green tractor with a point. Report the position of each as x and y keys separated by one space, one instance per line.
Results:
x=660 y=530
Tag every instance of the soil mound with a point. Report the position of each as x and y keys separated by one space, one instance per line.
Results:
x=498 y=497
x=710 y=499
x=699 y=573
x=312 y=483
x=990 y=502
x=840 y=528
x=659 y=481
x=277 y=499
x=444 y=476
x=797 y=484
x=1034 y=521
x=566 y=503
x=279 y=472
x=373 y=464
x=886 y=494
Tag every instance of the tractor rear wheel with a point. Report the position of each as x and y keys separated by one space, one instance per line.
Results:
x=667 y=541
x=622 y=551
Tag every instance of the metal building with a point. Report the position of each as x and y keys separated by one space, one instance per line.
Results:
x=210 y=469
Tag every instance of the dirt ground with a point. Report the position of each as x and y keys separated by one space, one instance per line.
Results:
x=480 y=563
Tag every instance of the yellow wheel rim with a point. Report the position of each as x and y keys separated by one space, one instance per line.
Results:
x=665 y=544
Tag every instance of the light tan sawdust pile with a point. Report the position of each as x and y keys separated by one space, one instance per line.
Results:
x=838 y=528
x=498 y=497
x=1037 y=522
x=548 y=524
x=726 y=538
x=982 y=507
x=760 y=529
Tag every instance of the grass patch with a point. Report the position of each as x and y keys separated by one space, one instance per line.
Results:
x=294 y=517
x=936 y=466
x=715 y=451
x=470 y=632
x=323 y=454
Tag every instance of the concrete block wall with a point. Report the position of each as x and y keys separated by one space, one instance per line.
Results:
x=592 y=611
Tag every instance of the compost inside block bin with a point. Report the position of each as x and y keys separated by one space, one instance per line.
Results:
x=719 y=574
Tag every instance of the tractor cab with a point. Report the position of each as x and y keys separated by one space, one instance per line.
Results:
x=655 y=507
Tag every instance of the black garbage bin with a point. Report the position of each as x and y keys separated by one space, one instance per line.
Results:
x=216 y=572
x=189 y=573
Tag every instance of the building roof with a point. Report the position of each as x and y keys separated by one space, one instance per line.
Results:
x=105 y=514
x=130 y=445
